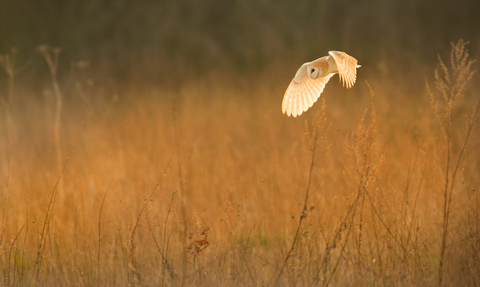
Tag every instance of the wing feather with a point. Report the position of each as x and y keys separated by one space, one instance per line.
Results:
x=303 y=92
x=347 y=67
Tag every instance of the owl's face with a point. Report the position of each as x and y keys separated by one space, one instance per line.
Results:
x=317 y=68
x=313 y=72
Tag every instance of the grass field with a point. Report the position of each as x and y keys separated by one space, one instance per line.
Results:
x=203 y=182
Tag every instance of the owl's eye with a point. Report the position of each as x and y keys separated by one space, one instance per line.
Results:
x=312 y=72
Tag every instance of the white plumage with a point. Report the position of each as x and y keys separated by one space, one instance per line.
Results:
x=310 y=80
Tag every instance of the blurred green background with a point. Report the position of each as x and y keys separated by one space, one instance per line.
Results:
x=151 y=38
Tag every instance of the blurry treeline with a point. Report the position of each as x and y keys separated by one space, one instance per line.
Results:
x=155 y=38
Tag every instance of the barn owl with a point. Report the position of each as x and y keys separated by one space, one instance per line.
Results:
x=310 y=80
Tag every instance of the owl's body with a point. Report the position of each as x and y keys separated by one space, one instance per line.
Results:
x=310 y=80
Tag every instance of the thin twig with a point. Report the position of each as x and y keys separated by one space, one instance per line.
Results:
x=48 y=215
x=147 y=200
x=304 y=210
x=100 y=228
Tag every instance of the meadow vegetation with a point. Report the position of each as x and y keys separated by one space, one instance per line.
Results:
x=203 y=182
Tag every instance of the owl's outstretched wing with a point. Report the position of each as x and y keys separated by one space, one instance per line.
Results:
x=302 y=92
x=347 y=67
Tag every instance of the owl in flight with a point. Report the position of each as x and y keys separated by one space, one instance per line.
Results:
x=310 y=80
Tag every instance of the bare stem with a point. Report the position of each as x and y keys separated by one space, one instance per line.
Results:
x=48 y=217
x=451 y=83
x=100 y=228
x=304 y=210
x=147 y=200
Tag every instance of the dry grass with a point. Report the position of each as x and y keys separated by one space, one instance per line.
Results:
x=208 y=184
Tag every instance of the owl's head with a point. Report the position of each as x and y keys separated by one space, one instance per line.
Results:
x=312 y=71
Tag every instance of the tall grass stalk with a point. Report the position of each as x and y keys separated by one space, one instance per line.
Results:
x=8 y=63
x=181 y=182
x=45 y=227
x=451 y=82
x=132 y=263
x=100 y=229
x=319 y=129
x=51 y=57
